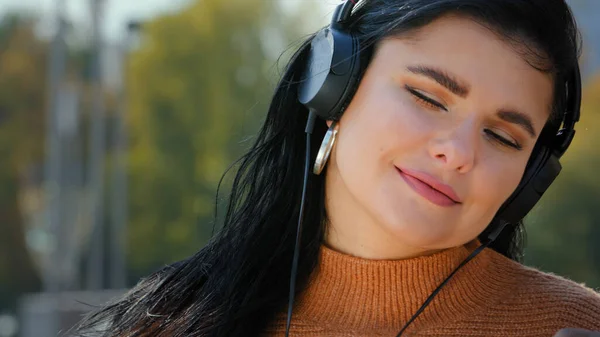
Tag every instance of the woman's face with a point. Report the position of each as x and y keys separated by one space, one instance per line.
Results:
x=434 y=141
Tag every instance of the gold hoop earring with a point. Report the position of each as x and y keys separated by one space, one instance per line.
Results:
x=325 y=149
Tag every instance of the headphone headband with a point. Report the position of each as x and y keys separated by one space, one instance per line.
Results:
x=342 y=13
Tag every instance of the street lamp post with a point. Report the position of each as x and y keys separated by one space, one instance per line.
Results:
x=96 y=261
x=52 y=164
x=119 y=200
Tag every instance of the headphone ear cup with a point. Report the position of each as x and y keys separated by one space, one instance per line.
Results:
x=542 y=170
x=331 y=73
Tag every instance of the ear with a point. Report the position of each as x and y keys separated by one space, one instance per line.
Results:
x=329 y=122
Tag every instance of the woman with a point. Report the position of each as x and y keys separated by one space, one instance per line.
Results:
x=412 y=222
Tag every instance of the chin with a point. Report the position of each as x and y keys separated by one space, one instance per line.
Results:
x=422 y=232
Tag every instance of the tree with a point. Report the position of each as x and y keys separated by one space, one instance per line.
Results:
x=199 y=83
x=22 y=105
x=565 y=228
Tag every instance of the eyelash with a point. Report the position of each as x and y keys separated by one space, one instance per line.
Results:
x=419 y=97
x=425 y=100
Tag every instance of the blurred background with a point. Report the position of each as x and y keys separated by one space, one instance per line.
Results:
x=118 y=118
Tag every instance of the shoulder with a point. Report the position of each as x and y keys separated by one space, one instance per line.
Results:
x=549 y=296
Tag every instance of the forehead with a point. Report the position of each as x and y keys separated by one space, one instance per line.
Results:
x=494 y=69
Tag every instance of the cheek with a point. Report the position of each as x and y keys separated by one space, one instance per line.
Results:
x=372 y=133
x=360 y=145
x=497 y=182
x=388 y=123
x=492 y=183
x=372 y=142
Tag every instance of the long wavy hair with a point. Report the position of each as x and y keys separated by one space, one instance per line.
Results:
x=239 y=281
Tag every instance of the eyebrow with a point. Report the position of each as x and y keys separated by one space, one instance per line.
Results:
x=519 y=118
x=443 y=78
x=461 y=89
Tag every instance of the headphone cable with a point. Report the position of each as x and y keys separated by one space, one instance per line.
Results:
x=310 y=124
x=439 y=288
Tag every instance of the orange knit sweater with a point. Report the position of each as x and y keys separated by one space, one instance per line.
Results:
x=490 y=296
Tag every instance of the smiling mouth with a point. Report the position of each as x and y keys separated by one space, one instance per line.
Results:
x=427 y=191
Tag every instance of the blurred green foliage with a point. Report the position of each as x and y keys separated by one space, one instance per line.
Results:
x=564 y=229
x=199 y=85
x=22 y=103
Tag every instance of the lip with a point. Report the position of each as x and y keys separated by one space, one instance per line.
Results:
x=430 y=188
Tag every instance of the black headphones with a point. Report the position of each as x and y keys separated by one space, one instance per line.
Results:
x=334 y=70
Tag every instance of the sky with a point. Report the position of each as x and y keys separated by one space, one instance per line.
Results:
x=118 y=12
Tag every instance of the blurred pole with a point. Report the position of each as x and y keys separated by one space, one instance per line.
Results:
x=119 y=196
x=119 y=206
x=56 y=71
x=70 y=133
x=95 y=272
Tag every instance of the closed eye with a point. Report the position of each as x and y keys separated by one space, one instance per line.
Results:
x=424 y=99
x=503 y=141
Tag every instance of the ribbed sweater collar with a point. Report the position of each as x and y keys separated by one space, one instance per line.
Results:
x=360 y=294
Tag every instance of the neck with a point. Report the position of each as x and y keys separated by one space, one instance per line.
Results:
x=367 y=247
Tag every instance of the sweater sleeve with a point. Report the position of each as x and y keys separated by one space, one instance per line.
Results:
x=565 y=302
x=580 y=308
x=534 y=304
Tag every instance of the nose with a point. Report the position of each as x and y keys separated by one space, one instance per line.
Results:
x=456 y=149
